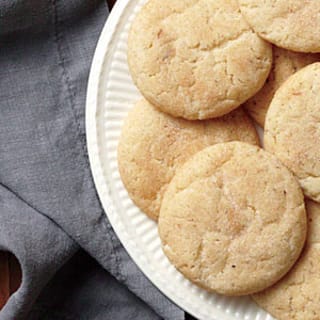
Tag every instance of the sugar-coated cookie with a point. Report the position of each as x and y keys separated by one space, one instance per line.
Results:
x=289 y=24
x=196 y=59
x=297 y=295
x=233 y=219
x=292 y=127
x=153 y=144
x=285 y=64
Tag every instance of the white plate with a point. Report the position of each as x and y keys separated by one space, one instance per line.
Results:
x=111 y=94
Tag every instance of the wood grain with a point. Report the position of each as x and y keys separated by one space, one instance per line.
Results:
x=15 y=274
x=4 y=278
x=111 y=3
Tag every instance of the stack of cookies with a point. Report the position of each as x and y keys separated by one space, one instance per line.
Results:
x=233 y=218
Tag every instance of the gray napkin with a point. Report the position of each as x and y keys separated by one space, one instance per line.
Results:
x=48 y=204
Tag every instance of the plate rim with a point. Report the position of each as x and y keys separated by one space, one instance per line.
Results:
x=100 y=57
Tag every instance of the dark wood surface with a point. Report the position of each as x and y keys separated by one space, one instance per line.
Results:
x=111 y=3
x=10 y=276
x=10 y=272
x=4 y=278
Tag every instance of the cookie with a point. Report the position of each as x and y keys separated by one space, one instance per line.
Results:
x=292 y=128
x=233 y=219
x=285 y=64
x=196 y=59
x=297 y=295
x=153 y=144
x=289 y=24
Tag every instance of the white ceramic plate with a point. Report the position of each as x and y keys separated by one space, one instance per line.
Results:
x=111 y=93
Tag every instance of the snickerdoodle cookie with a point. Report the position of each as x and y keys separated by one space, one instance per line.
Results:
x=290 y=24
x=285 y=64
x=233 y=219
x=153 y=144
x=297 y=295
x=196 y=59
x=292 y=129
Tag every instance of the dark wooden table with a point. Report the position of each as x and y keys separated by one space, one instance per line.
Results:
x=10 y=272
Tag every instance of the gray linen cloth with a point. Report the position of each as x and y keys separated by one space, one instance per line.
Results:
x=48 y=204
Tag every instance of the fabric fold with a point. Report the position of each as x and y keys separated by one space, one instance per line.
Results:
x=81 y=290
x=45 y=58
x=38 y=243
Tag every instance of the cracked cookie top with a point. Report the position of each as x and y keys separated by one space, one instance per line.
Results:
x=292 y=130
x=297 y=295
x=233 y=219
x=285 y=63
x=290 y=24
x=154 y=144
x=196 y=59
